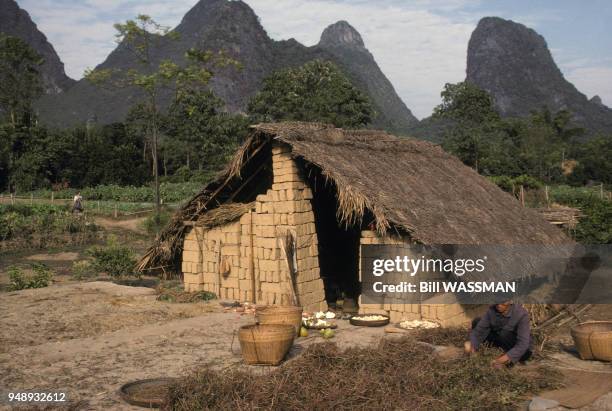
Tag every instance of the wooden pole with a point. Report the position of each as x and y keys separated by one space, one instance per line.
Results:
x=115 y=213
x=219 y=272
x=547 y=198
x=252 y=259
x=522 y=194
x=52 y=197
x=31 y=198
x=12 y=199
x=247 y=181
x=601 y=191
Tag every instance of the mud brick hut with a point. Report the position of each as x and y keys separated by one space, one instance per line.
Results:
x=333 y=190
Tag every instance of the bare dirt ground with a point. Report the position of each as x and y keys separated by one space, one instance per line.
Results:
x=90 y=338
x=132 y=224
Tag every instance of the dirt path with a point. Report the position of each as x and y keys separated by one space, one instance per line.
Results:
x=131 y=224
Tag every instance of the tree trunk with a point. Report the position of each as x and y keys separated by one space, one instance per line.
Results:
x=155 y=167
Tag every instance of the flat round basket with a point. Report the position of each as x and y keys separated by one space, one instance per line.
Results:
x=146 y=393
x=593 y=340
x=364 y=323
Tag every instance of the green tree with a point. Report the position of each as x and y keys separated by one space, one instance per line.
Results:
x=536 y=145
x=20 y=83
x=152 y=78
x=316 y=91
x=467 y=104
x=34 y=151
x=200 y=133
x=476 y=121
x=545 y=139
x=593 y=161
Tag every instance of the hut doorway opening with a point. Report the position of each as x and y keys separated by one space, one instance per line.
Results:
x=338 y=245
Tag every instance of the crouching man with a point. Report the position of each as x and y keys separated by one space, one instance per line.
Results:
x=506 y=326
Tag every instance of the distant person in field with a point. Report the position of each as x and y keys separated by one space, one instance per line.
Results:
x=77 y=203
x=505 y=326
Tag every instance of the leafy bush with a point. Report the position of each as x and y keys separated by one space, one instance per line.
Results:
x=17 y=279
x=41 y=278
x=152 y=225
x=595 y=226
x=82 y=269
x=527 y=182
x=114 y=259
x=507 y=183
x=503 y=182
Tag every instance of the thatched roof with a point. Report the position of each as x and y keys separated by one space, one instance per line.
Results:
x=408 y=185
x=225 y=213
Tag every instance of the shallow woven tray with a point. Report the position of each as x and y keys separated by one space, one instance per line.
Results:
x=377 y=323
x=148 y=393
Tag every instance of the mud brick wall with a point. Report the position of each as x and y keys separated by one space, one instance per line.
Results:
x=444 y=314
x=285 y=206
x=204 y=251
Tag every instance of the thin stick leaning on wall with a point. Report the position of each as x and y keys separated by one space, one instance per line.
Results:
x=288 y=243
x=252 y=259
x=219 y=271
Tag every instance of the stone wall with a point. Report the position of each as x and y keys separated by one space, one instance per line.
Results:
x=444 y=314
x=285 y=206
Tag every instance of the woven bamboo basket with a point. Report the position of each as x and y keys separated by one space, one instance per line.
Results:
x=593 y=340
x=280 y=314
x=265 y=344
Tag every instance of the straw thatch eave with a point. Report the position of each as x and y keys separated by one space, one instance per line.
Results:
x=164 y=254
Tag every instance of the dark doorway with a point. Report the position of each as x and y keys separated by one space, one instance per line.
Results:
x=338 y=245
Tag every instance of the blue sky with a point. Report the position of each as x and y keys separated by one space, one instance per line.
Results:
x=419 y=44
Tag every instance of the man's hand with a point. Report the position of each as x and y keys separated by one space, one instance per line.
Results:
x=468 y=348
x=500 y=361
